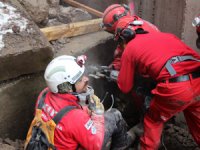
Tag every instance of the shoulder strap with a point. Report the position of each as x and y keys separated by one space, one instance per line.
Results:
x=61 y=113
x=41 y=100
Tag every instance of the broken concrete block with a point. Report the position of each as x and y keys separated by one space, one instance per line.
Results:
x=38 y=10
x=23 y=48
x=17 y=103
x=71 y=14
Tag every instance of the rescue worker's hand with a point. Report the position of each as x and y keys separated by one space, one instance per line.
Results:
x=95 y=105
x=114 y=75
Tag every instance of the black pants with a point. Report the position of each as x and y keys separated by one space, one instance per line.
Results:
x=116 y=137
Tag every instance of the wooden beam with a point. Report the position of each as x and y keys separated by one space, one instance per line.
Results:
x=87 y=8
x=72 y=29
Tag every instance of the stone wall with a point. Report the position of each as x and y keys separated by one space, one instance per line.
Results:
x=173 y=16
x=24 y=54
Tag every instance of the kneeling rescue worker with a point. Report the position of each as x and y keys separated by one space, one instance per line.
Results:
x=173 y=65
x=69 y=116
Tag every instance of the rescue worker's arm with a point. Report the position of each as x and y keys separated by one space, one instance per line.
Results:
x=126 y=74
x=116 y=64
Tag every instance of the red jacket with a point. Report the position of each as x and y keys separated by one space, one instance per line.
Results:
x=116 y=64
x=74 y=129
x=147 y=54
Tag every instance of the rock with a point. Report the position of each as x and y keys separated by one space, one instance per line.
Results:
x=8 y=141
x=180 y=138
x=71 y=14
x=37 y=9
x=21 y=43
x=53 y=22
x=63 y=40
x=53 y=3
x=6 y=147
x=53 y=12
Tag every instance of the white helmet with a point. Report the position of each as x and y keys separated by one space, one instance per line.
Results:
x=63 y=69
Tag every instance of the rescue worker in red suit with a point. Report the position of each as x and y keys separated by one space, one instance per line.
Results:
x=111 y=16
x=87 y=127
x=196 y=23
x=173 y=65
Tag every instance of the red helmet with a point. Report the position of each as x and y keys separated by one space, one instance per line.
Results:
x=129 y=26
x=112 y=14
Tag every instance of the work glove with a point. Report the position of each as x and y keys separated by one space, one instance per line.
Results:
x=114 y=75
x=95 y=105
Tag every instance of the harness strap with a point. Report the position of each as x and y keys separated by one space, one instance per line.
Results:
x=62 y=112
x=176 y=59
x=41 y=100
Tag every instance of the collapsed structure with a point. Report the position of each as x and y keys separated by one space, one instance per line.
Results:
x=26 y=47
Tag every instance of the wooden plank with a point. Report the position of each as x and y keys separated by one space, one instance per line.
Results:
x=72 y=29
x=87 y=8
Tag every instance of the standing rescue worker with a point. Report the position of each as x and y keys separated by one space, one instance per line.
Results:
x=196 y=23
x=111 y=16
x=175 y=67
x=86 y=127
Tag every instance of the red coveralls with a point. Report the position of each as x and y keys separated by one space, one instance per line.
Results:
x=147 y=55
x=116 y=64
x=73 y=130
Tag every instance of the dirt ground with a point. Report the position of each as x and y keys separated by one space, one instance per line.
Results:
x=173 y=138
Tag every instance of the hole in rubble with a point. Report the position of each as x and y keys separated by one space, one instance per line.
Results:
x=174 y=137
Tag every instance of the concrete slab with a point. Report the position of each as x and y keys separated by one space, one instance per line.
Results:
x=169 y=15
x=23 y=48
x=148 y=8
x=17 y=105
x=82 y=44
x=189 y=35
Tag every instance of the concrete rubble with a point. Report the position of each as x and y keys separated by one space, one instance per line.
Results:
x=25 y=52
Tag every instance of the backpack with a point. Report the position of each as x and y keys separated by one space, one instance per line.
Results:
x=41 y=134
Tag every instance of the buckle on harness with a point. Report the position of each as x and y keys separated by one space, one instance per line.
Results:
x=176 y=59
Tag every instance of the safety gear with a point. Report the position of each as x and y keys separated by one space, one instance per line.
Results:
x=41 y=134
x=90 y=135
x=64 y=69
x=129 y=26
x=112 y=14
x=196 y=21
x=125 y=29
x=114 y=75
x=146 y=55
x=95 y=105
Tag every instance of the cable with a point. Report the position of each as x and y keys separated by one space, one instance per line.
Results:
x=113 y=101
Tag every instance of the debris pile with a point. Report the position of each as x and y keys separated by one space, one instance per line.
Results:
x=175 y=137
x=11 y=21
x=7 y=144
x=50 y=12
